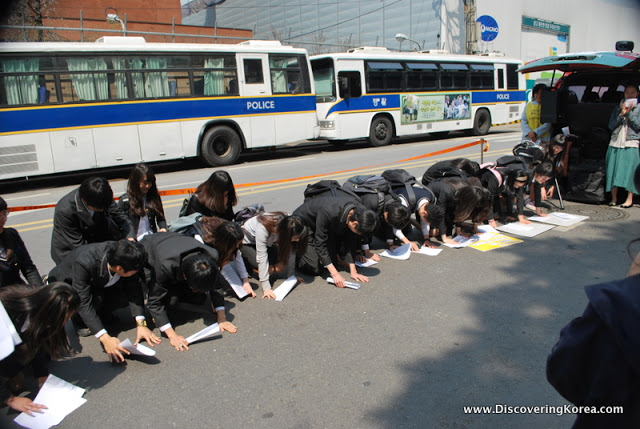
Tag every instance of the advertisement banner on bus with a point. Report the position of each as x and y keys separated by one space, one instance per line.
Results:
x=439 y=107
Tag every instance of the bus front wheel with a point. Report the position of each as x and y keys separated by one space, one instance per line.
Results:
x=381 y=131
x=481 y=123
x=221 y=146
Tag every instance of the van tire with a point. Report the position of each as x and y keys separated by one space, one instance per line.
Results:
x=220 y=145
x=381 y=131
x=481 y=123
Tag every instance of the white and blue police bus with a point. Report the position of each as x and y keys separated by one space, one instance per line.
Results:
x=66 y=107
x=378 y=94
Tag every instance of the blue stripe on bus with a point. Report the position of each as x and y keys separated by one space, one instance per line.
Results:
x=392 y=101
x=366 y=102
x=105 y=114
x=498 y=96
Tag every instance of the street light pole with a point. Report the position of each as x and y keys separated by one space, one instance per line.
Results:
x=402 y=37
x=113 y=17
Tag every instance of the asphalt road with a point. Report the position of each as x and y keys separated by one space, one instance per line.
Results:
x=423 y=339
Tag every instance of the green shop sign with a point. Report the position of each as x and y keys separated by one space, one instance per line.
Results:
x=541 y=24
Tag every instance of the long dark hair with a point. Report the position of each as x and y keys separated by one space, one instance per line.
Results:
x=223 y=235
x=287 y=227
x=472 y=202
x=136 y=198
x=46 y=308
x=211 y=192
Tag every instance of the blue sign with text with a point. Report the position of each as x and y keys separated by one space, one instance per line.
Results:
x=488 y=27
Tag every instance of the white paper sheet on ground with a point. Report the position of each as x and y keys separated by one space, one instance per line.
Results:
x=9 y=337
x=486 y=228
x=560 y=219
x=428 y=251
x=285 y=287
x=139 y=349
x=368 y=263
x=530 y=230
x=350 y=285
x=207 y=332
x=402 y=253
x=462 y=241
x=234 y=280
x=60 y=397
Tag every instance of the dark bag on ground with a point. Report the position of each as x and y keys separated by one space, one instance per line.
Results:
x=586 y=182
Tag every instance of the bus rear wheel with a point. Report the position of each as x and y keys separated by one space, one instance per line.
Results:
x=381 y=131
x=220 y=146
x=481 y=123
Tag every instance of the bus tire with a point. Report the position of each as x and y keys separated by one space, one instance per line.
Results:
x=381 y=131
x=481 y=123
x=220 y=145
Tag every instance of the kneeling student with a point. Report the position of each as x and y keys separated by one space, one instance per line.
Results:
x=180 y=266
x=334 y=224
x=102 y=274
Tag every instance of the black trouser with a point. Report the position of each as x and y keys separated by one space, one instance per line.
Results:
x=310 y=262
x=250 y=256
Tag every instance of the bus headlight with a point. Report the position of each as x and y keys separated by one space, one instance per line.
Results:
x=327 y=125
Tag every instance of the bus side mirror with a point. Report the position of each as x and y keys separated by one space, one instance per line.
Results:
x=624 y=45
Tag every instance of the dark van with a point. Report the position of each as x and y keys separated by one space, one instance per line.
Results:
x=589 y=86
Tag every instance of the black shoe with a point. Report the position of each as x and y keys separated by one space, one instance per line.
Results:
x=84 y=332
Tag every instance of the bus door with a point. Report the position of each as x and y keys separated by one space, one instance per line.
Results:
x=500 y=110
x=500 y=76
x=255 y=89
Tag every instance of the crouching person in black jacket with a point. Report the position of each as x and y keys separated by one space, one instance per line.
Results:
x=181 y=267
x=103 y=275
x=334 y=226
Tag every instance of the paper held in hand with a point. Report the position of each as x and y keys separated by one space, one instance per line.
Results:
x=402 y=253
x=138 y=349
x=284 y=288
x=61 y=399
x=350 y=285
x=207 y=332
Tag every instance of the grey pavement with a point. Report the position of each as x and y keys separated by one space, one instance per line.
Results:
x=411 y=348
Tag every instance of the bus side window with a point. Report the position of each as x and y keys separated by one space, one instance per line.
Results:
x=349 y=84
x=253 y=71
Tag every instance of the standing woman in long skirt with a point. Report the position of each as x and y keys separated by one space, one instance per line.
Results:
x=622 y=156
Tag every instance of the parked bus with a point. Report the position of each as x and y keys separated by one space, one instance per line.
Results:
x=76 y=106
x=378 y=94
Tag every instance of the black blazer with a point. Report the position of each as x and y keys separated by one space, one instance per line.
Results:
x=85 y=269
x=156 y=221
x=326 y=218
x=163 y=274
x=74 y=226
x=18 y=260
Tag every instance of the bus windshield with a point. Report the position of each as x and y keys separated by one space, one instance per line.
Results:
x=323 y=75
